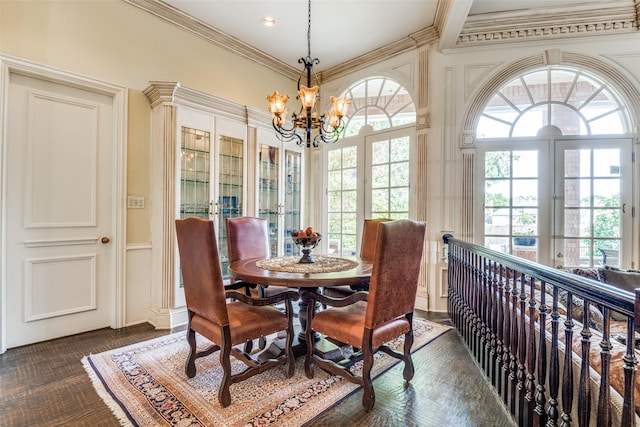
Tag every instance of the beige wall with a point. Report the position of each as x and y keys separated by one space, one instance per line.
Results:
x=113 y=41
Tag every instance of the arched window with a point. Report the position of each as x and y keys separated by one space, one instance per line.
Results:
x=554 y=169
x=573 y=101
x=368 y=172
x=378 y=102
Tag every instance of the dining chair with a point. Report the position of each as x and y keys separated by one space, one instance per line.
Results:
x=226 y=317
x=369 y=320
x=367 y=250
x=248 y=237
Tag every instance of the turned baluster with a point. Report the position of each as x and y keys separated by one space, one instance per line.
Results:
x=513 y=362
x=506 y=354
x=522 y=350
x=487 y=291
x=554 y=363
x=604 y=397
x=540 y=398
x=567 y=372
x=499 y=325
x=479 y=321
x=470 y=290
x=466 y=297
x=629 y=359
x=584 y=389
x=484 y=317
x=530 y=379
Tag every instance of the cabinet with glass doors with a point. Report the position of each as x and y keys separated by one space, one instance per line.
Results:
x=230 y=190
x=279 y=191
x=211 y=175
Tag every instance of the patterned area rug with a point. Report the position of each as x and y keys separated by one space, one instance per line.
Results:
x=144 y=384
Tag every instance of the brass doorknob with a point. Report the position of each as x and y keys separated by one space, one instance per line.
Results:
x=105 y=240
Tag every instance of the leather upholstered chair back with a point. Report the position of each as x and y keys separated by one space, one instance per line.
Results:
x=396 y=268
x=369 y=235
x=201 y=273
x=247 y=237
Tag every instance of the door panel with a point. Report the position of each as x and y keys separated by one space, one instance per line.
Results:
x=591 y=200
x=59 y=213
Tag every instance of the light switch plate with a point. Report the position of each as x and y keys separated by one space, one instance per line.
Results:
x=135 y=202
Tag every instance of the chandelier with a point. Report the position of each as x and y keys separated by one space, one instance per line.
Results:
x=327 y=126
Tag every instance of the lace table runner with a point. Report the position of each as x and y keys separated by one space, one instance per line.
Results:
x=323 y=264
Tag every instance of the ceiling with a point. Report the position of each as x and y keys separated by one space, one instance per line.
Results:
x=344 y=30
x=340 y=29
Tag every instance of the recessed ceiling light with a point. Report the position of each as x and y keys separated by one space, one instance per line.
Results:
x=268 y=21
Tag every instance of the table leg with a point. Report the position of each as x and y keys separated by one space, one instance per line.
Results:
x=323 y=347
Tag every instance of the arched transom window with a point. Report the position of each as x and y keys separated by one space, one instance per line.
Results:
x=378 y=102
x=572 y=101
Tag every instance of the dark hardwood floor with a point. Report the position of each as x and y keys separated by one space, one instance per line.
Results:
x=45 y=385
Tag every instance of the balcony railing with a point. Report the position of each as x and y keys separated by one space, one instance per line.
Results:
x=543 y=337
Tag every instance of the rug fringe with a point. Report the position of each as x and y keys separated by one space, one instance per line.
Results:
x=98 y=385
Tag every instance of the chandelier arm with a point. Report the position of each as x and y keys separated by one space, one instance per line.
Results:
x=325 y=137
x=289 y=134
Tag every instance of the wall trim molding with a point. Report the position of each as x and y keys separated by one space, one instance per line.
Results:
x=598 y=18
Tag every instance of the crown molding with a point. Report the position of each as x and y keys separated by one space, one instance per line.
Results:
x=411 y=42
x=599 y=18
x=173 y=93
x=225 y=41
x=217 y=37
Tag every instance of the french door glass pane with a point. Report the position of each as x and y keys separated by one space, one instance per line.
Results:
x=194 y=173
x=268 y=158
x=343 y=200
x=292 y=198
x=230 y=186
x=511 y=211
x=592 y=206
x=389 y=172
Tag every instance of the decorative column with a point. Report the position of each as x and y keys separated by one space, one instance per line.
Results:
x=422 y=171
x=163 y=179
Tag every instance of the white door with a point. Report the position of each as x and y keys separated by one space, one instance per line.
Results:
x=58 y=210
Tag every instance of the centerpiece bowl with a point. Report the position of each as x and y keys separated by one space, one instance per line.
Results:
x=306 y=240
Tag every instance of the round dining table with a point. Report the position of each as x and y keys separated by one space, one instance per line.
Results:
x=287 y=272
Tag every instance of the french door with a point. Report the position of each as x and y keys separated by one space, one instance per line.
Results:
x=366 y=177
x=560 y=202
x=593 y=199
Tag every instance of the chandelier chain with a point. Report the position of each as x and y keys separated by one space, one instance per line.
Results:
x=309 y=32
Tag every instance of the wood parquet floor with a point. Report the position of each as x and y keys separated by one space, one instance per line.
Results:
x=45 y=384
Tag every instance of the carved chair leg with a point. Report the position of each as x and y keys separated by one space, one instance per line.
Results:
x=408 y=343
x=408 y=362
x=369 y=395
x=190 y=366
x=224 y=395
x=248 y=346
x=289 y=349
x=308 y=360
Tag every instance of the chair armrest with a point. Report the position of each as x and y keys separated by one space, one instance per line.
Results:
x=338 y=302
x=274 y=299
x=239 y=285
